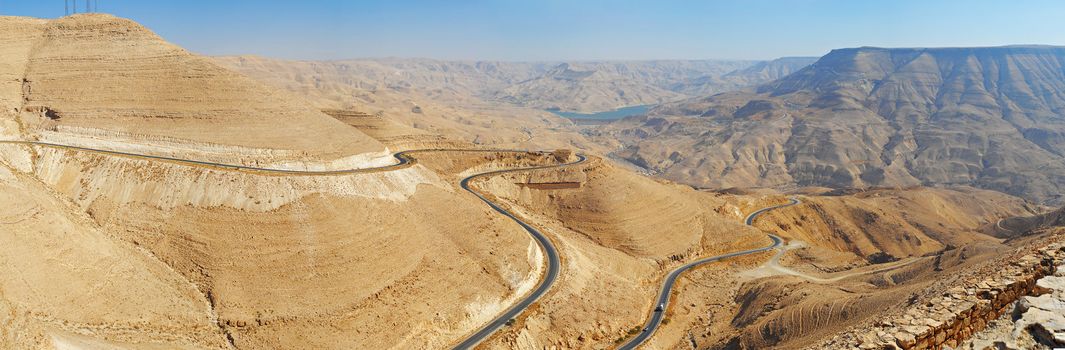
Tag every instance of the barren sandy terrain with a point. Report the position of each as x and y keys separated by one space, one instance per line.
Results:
x=96 y=80
x=126 y=251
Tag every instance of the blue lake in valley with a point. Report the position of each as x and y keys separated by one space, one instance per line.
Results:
x=606 y=115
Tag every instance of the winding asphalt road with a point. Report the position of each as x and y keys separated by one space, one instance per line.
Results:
x=553 y=262
x=404 y=159
x=662 y=302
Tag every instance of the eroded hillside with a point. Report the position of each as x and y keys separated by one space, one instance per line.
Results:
x=985 y=117
x=173 y=244
x=502 y=103
x=849 y=257
x=436 y=97
x=97 y=80
x=602 y=86
x=134 y=252
x=141 y=252
x=756 y=74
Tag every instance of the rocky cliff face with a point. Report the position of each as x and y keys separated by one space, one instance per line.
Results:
x=989 y=117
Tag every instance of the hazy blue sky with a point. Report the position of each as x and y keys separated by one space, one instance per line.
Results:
x=557 y=29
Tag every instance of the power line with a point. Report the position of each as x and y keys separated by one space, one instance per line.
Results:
x=70 y=7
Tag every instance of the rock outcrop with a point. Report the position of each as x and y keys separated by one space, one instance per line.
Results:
x=1044 y=315
x=947 y=320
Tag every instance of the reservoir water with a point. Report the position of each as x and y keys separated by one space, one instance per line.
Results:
x=606 y=115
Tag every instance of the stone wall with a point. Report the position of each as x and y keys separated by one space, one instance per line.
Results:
x=953 y=316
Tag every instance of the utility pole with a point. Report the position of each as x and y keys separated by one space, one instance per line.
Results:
x=66 y=7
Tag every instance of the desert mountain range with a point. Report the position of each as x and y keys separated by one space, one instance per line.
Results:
x=988 y=117
x=152 y=198
x=478 y=101
x=584 y=86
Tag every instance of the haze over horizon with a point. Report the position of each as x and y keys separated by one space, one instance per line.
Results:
x=588 y=175
x=588 y=30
